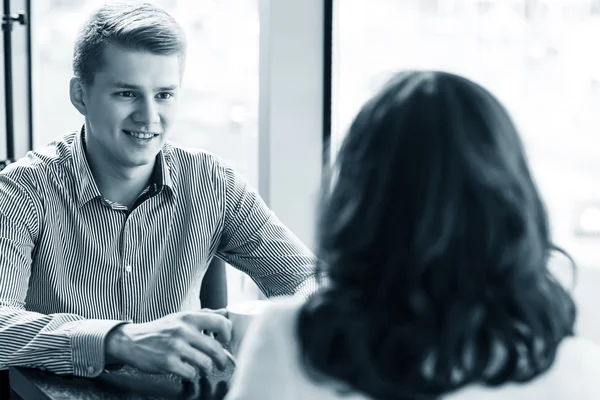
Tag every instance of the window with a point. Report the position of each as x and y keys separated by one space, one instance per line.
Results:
x=219 y=100
x=3 y=149
x=539 y=57
x=19 y=78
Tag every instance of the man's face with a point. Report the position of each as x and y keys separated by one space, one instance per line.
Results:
x=131 y=105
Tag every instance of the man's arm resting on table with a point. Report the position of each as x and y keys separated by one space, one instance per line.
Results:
x=60 y=343
x=64 y=344
x=256 y=242
x=115 y=344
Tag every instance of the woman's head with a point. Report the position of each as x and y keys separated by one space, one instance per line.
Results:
x=434 y=238
x=432 y=192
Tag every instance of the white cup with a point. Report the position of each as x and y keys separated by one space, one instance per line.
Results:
x=241 y=315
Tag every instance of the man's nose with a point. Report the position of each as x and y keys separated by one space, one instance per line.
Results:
x=147 y=113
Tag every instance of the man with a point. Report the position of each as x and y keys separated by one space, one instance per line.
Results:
x=105 y=234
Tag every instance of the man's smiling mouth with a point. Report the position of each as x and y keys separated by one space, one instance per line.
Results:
x=141 y=135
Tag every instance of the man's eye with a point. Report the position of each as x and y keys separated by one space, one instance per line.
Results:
x=165 y=95
x=126 y=94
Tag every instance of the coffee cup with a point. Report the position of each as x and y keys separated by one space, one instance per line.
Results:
x=241 y=316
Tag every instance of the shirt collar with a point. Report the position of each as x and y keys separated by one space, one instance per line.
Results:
x=88 y=190
x=162 y=173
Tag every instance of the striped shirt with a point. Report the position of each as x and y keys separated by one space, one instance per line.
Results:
x=74 y=265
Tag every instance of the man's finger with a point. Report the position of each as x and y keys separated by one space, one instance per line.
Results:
x=212 y=322
x=196 y=358
x=205 y=344
x=175 y=365
x=221 y=311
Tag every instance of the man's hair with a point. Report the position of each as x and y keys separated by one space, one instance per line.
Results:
x=435 y=243
x=131 y=26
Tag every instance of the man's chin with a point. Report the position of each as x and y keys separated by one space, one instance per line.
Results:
x=139 y=158
x=141 y=161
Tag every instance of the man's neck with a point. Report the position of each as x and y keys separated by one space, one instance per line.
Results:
x=123 y=187
x=118 y=184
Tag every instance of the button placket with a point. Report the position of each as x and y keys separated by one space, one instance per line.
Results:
x=127 y=266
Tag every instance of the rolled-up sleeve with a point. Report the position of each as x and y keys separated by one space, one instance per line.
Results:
x=257 y=243
x=60 y=343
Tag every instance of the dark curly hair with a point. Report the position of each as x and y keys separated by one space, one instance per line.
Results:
x=434 y=245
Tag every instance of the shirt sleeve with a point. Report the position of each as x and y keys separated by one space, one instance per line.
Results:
x=60 y=343
x=256 y=242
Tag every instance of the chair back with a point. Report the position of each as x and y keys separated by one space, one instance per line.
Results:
x=213 y=292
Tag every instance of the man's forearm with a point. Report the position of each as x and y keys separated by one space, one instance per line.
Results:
x=60 y=343
x=114 y=345
x=256 y=242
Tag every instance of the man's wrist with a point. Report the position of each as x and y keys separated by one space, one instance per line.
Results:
x=113 y=345
x=88 y=350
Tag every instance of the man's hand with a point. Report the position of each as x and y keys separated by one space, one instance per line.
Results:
x=173 y=344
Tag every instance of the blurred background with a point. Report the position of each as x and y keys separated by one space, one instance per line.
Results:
x=540 y=58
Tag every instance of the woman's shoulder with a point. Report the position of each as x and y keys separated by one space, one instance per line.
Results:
x=578 y=357
x=577 y=365
x=577 y=344
x=281 y=314
x=573 y=375
x=286 y=306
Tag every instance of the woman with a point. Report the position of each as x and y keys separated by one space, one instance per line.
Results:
x=435 y=244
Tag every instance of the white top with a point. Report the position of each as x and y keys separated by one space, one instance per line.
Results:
x=270 y=367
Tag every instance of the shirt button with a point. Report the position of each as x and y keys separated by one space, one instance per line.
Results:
x=90 y=369
x=128 y=268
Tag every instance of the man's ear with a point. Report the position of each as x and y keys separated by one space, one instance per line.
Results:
x=77 y=93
